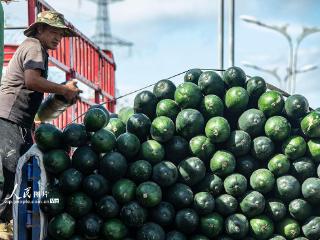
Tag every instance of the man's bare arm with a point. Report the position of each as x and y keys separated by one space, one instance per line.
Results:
x=35 y=82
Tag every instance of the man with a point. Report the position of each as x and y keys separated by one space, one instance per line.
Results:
x=21 y=93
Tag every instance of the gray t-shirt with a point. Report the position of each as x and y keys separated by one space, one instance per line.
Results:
x=17 y=103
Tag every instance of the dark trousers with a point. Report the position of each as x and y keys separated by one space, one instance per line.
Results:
x=14 y=142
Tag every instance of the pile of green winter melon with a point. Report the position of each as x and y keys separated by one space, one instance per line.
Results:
x=211 y=158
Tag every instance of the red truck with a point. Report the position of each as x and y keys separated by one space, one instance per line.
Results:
x=79 y=58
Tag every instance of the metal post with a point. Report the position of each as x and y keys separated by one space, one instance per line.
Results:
x=231 y=34
x=283 y=31
x=31 y=11
x=290 y=66
x=295 y=60
x=306 y=32
x=273 y=72
x=221 y=34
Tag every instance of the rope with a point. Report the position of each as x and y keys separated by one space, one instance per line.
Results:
x=150 y=85
x=176 y=75
x=269 y=86
x=272 y=87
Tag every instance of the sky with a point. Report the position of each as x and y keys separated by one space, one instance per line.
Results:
x=172 y=36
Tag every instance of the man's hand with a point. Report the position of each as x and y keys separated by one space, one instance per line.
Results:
x=71 y=91
x=35 y=82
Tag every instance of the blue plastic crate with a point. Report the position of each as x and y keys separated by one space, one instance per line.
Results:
x=29 y=212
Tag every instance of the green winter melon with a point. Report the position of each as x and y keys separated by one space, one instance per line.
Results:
x=103 y=141
x=211 y=106
x=311 y=190
x=211 y=225
x=252 y=121
x=262 y=148
x=202 y=147
x=300 y=209
x=237 y=226
x=163 y=214
x=62 y=226
x=261 y=227
x=262 y=180
x=314 y=149
x=276 y=209
x=217 y=129
x=235 y=184
x=165 y=173
x=252 y=204
x=310 y=124
x=188 y=95
x=234 y=76
x=179 y=195
x=210 y=183
x=139 y=124
x=289 y=228
x=145 y=102
x=151 y=231
x=191 y=170
x=255 y=87
x=294 y=147
x=124 y=190
x=187 y=220
x=152 y=151
x=190 y=123
x=149 y=194
x=113 y=166
x=288 y=187
x=311 y=228
x=140 y=171
x=128 y=144
x=168 y=108
x=236 y=100
x=296 y=106
x=279 y=164
x=303 y=168
x=162 y=129
x=192 y=75
x=211 y=83
x=95 y=119
x=239 y=143
x=222 y=163
x=116 y=126
x=226 y=204
x=203 y=203
x=164 y=89
x=114 y=229
x=271 y=103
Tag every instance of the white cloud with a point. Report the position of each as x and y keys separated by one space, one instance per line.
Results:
x=130 y=12
x=15 y=13
x=262 y=58
x=146 y=10
x=295 y=29
x=79 y=8
x=310 y=50
x=138 y=20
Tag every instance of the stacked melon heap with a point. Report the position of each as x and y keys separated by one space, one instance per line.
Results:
x=213 y=158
